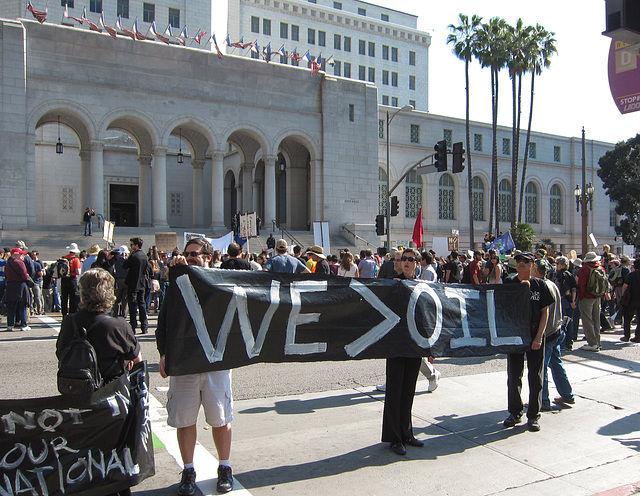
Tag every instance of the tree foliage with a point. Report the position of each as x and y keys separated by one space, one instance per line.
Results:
x=523 y=235
x=620 y=174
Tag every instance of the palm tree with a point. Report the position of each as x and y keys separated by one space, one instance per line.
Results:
x=542 y=49
x=492 y=52
x=519 y=46
x=464 y=40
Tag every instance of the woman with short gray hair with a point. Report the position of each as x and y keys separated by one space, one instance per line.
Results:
x=112 y=337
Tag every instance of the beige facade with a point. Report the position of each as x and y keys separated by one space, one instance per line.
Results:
x=255 y=137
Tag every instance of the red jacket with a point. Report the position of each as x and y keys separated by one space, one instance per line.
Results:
x=583 y=278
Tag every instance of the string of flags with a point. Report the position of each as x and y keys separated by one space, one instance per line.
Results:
x=315 y=63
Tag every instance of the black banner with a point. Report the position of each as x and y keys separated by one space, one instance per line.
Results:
x=60 y=445
x=222 y=319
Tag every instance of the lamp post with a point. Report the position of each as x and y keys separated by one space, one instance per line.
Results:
x=389 y=119
x=583 y=196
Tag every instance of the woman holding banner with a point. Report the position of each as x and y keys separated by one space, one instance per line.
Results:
x=402 y=375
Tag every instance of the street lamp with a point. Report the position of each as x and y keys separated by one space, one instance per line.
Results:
x=406 y=108
x=180 y=155
x=59 y=145
x=583 y=196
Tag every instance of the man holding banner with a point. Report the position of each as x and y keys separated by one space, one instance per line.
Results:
x=212 y=390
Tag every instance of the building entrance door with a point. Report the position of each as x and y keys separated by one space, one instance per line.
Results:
x=123 y=208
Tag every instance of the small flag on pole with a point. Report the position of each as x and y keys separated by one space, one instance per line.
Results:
x=418 y=231
x=125 y=31
x=108 y=29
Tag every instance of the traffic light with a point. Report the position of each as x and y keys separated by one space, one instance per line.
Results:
x=458 y=157
x=380 y=225
x=395 y=206
x=441 y=156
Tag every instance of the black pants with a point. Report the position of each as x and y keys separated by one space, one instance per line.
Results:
x=137 y=304
x=69 y=295
x=515 y=369
x=402 y=375
x=629 y=311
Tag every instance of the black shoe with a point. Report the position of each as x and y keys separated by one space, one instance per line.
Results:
x=626 y=339
x=635 y=340
x=512 y=420
x=533 y=425
x=398 y=448
x=225 y=479
x=414 y=442
x=187 y=485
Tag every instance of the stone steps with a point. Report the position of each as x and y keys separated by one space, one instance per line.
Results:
x=51 y=241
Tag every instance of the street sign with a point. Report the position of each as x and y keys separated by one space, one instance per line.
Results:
x=426 y=169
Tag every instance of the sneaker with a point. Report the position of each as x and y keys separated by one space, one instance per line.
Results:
x=588 y=347
x=382 y=388
x=187 y=485
x=25 y=328
x=512 y=420
x=561 y=401
x=225 y=479
x=533 y=425
x=9 y=329
x=433 y=382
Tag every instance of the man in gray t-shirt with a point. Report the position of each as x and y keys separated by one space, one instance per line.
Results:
x=283 y=262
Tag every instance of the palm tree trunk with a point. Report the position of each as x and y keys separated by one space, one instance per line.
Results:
x=469 y=173
x=492 y=195
x=526 y=149
x=514 y=153
x=494 y=155
x=517 y=150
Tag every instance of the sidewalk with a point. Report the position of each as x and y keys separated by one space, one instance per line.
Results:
x=329 y=443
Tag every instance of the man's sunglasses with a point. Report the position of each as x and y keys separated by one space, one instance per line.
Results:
x=192 y=253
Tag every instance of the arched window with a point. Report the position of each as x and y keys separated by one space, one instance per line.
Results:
x=446 y=197
x=555 y=205
x=531 y=203
x=413 y=195
x=477 y=193
x=383 y=197
x=504 y=201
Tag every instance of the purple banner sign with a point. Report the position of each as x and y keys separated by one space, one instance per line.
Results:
x=624 y=77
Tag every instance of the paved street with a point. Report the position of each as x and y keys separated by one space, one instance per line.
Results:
x=315 y=427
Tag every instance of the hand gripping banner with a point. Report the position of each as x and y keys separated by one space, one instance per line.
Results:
x=217 y=319
x=62 y=446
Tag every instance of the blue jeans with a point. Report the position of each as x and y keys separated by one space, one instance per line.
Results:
x=16 y=310
x=553 y=361
x=87 y=228
x=572 y=331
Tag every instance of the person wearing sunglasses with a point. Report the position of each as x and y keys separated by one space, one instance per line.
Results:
x=540 y=300
x=212 y=390
x=402 y=375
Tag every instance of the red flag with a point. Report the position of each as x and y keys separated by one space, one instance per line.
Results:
x=418 y=231
x=66 y=14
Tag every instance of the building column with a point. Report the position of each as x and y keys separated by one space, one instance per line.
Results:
x=144 y=190
x=96 y=177
x=160 y=186
x=316 y=191
x=269 y=190
x=198 y=192
x=85 y=179
x=217 y=192
x=247 y=187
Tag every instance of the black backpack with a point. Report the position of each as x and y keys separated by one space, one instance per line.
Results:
x=78 y=371
x=62 y=269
